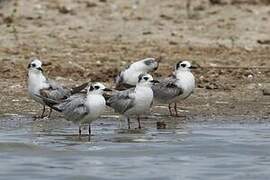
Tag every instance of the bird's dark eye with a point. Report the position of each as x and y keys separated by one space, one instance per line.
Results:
x=183 y=65
x=33 y=65
x=146 y=78
x=96 y=87
x=91 y=88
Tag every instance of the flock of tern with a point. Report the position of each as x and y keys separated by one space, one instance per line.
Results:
x=134 y=94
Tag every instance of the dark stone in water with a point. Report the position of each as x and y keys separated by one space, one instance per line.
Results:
x=161 y=125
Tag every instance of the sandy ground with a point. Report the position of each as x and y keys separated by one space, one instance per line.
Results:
x=81 y=40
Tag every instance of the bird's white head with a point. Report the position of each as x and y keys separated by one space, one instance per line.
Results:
x=146 y=80
x=97 y=88
x=35 y=66
x=183 y=66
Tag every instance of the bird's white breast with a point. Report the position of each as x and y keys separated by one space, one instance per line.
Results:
x=36 y=82
x=96 y=105
x=143 y=100
x=186 y=81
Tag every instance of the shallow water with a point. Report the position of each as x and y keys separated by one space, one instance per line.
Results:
x=50 y=149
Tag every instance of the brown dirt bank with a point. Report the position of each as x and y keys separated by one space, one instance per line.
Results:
x=92 y=40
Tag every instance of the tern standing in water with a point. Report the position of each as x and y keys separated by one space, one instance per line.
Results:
x=175 y=88
x=80 y=108
x=134 y=101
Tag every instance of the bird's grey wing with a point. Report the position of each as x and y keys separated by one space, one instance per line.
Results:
x=122 y=101
x=167 y=89
x=55 y=91
x=74 y=107
x=70 y=101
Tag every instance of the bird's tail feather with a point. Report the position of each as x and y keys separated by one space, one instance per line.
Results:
x=123 y=86
x=50 y=102
x=78 y=89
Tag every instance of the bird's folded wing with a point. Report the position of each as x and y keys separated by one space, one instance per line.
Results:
x=55 y=91
x=122 y=101
x=167 y=89
x=74 y=107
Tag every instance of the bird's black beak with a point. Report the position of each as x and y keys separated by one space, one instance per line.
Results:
x=154 y=81
x=29 y=65
x=107 y=89
x=39 y=68
x=193 y=67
